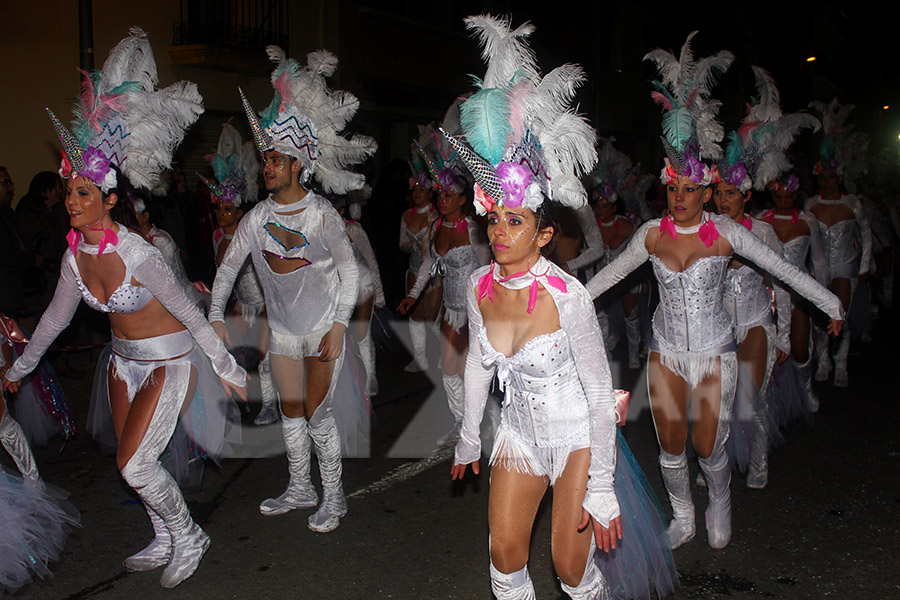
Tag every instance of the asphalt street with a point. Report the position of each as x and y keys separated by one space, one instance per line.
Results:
x=826 y=525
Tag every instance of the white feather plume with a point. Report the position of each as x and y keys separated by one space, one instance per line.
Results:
x=505 y=51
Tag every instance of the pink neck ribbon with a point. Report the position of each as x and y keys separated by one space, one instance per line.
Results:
x=110 y=238
x=461 y=225
x=486 y=284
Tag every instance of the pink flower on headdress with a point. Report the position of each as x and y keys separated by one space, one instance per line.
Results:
x=447 y=179
x=514 y=179
x=483 y=202
x=668 y=174
x=736 y=175
x=791 y=182
x=697 y=171
x=96 y=165
x=227 y=194
x=65 y=167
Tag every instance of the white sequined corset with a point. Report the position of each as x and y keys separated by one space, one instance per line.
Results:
x=455 y=266
x=746 y=298
x=544 y=403
x=841 y=250
x=691 y=316
x=795 y=251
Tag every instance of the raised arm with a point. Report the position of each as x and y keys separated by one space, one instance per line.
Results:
x=633 y=257
x=154 y=274
x=592 y=238
x=56 y=318
x=586 y=340
x=227 y=273
x=753 y=249
x=477 y=383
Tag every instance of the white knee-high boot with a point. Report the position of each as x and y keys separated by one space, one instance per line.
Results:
x=841 y=378
x=455 y=390
x=512 y=586
x=823 y=353
x=592 y=586
x=268 y=413
x=300 y=492
x=158 y=552
x=367 y=353
x=678 y=485
x=158 y=490
x=324 y=434
x=418 y=336
x=633 y=334
x=13 y=439
x=806 y=375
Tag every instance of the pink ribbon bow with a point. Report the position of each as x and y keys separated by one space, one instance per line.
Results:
x=747 y=222
x=73 y=237
x=486 y=284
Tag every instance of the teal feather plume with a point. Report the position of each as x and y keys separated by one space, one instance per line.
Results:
x=733 y=148
x=485 y=120
x=677 y=127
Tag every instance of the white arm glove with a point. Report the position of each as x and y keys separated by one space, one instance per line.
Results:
x=336 y=240
x=633 y=257
x=586 y=341
x=592 y=238
x=228 y=271
x=750 y=247
x=154 y=274
x=56 y=318
x=477 y=382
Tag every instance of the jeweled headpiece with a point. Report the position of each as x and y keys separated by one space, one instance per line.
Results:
x=305 y=120
x=123 y=120
x=520 y=139
x=691 y=134
x=755 y=153
x=235 y=167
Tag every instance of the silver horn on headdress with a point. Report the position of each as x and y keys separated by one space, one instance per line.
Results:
x=485 y=175
x=214 y=188
x=262 y=140
x=432 y=168
x=71 y=148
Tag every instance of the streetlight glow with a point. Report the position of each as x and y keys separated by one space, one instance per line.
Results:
x=811 y=59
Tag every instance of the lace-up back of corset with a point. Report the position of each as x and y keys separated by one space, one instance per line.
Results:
x=691 y=315
x=544 y=403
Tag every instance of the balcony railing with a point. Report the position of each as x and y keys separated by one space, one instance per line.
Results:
x=234 y=24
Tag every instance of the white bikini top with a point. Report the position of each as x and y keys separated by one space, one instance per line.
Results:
x=127 y=298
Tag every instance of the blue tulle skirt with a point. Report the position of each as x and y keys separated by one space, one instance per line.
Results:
x=642 y=563
x=34 y=524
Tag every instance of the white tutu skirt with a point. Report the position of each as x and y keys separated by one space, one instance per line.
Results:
x=208 y=428
x=351 y=406
x=33 y=529
x=40 y=406
x=642 y=563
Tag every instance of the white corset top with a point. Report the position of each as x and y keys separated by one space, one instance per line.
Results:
x=746 y=297
x=795 y=250
x=455 y=266
x=544 y=403
x=840 y=246
x=691 y=316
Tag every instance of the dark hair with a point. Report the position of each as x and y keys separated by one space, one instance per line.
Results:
x=123 y=211
x=545 y=216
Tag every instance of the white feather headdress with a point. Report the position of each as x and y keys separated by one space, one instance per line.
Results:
x=122 y=119
x=841 y=149
x=306 y=118
x=691 y=133
x=520 y=138
x=755 y=154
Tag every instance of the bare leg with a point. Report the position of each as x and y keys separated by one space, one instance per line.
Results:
x=512 y=507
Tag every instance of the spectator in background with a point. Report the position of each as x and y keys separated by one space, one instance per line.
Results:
x=16 y=261
x=43 y=224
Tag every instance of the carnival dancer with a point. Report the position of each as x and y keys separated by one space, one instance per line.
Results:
x=454 y=249
x=801 y=243
x=534 y=326
x=607 y=181
x=840 y=217
x=305 y=264
x=692 y=369
x=234 y=191
x=415 y=224
x=126 y=128
x=754 y=156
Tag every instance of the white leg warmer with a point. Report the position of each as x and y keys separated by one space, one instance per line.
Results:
x=13 y=439
x=300 y=492
x=418 y=335
x=455 y=390
x=512 y=586
x=678 y=485
x=158 y=489
x=324 y=433
x=806 y=374
x=367 y=353
x=269 y=412
x=158 y=552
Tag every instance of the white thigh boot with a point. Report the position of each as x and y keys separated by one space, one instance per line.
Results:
x=269 y=412
x=758 y=475
x=512 y=586
x=158 y=490
x=324 y=434
x=418 y=335
x=806 y=375
x=823 y=354
x=158 y=552
x=633 y=333
x=678 y=485
x=367 y=353
x=13 y=439
x=455 y=390
x=841 y=378
x=300 y=492
x=717 y=471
